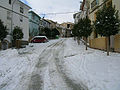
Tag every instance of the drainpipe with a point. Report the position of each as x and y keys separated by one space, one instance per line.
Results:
x=12 y=17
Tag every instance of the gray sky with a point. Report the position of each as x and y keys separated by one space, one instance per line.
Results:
x=55 y=6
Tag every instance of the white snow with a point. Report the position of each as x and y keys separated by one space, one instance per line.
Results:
x=92 y=68
x=16 y=66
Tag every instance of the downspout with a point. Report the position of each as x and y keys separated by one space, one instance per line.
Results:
x=12 y=17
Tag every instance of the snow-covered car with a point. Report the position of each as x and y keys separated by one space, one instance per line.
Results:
x=39 y=39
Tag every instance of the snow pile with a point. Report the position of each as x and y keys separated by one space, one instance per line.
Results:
x=93 y=68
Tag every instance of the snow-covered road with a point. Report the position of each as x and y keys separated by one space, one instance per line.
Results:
x=48 y=73
x=36 y=67
x=59 y=65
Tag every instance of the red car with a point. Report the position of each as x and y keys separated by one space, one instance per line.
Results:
x=39 y=39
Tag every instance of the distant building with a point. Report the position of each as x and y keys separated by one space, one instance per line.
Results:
x=67 y=31
x=15 y=13
x=34 y=24
x=60 y=28
x=52 y=23
x=45 y=23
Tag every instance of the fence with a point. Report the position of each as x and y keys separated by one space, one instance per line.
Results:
x=21 y=43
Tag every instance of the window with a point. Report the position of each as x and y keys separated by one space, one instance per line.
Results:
x=9 y=1
x=21 y=10
x=21 y=19
x=33 y=16
x=68 y=25
x=94 y=3
x=8 y=15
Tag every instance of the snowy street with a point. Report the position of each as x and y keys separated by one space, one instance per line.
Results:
x=59 y=65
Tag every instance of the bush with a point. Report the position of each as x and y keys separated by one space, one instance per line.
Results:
x=54 y=33
x=3 y=31
x=17 y=33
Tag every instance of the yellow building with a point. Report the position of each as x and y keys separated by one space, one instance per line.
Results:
x=67 y=28
x=95 y=40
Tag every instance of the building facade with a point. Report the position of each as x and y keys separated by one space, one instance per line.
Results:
x=67 y=30
x=83 y=13
x=90 y=8
x=96 y=41
x=77 y=17
x=15 y=13
x=34 y=24
x=45 y=23
x=52 y=23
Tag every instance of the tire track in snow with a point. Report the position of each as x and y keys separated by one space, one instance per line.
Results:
x=36 y=81
x=68 y=81
x=49 y=66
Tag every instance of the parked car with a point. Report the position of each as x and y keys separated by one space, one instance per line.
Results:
x=39 y=39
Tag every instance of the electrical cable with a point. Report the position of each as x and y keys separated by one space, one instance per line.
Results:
x=60 y=13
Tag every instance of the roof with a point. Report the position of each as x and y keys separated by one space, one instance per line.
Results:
x=46 y=20
x=34 y=13
x=39 y=37
x=67 y=23
x=51 y=21
x=24 y=4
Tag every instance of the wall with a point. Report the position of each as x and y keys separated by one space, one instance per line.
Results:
x=117 y=43
x=33 y=28
x=45 y=23
x=16 y=19
x=3 y=13
x=33 y=24
x=98 y=43
x=92 y=14
x=117 y=37
x=117 y=6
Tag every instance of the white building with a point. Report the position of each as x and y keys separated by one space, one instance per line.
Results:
x=84 y=10
x=15 y=13
x=77 y=17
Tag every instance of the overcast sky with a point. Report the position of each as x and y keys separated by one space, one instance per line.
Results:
x=55 y=6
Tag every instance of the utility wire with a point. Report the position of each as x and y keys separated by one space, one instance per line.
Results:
x=60 y=13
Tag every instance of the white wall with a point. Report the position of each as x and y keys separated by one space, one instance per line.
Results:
x=16 y=16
